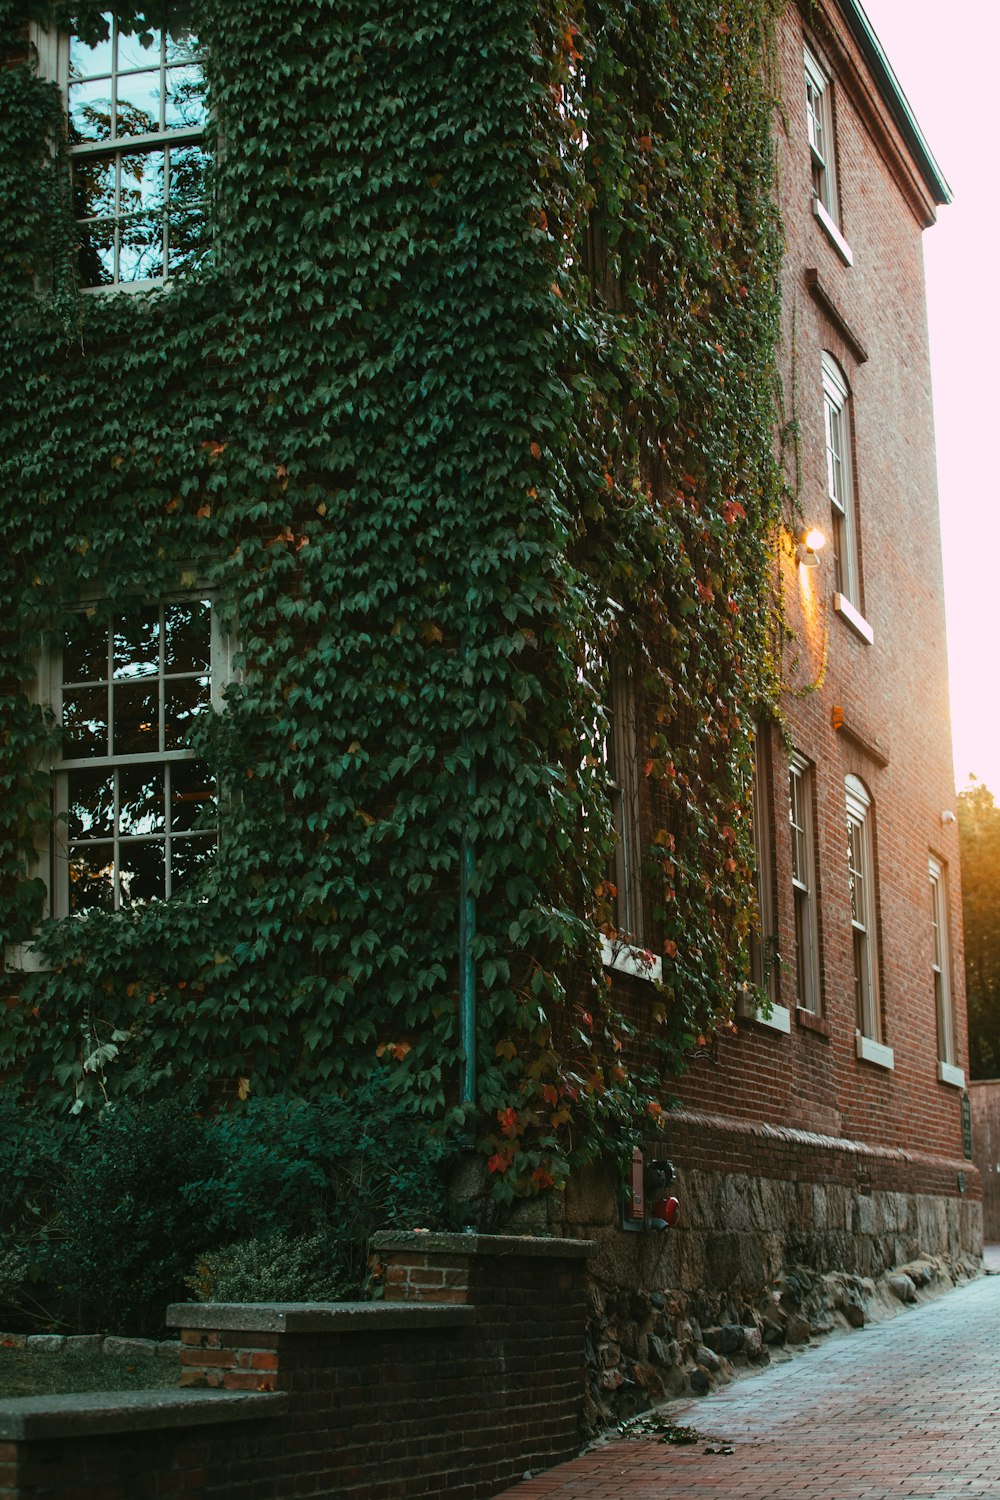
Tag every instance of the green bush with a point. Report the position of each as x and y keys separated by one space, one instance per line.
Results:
x=103 y=1219
x=274 y=1268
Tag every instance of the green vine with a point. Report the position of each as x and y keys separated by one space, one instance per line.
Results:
x=475 y=388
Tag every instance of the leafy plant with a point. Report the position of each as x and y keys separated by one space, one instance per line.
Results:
x=475 y=387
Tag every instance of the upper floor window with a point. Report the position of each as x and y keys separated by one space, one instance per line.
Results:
x=823 y=157
x=861 y=884
x=136 y=104
x=762 y=937
x=819 y=122
x=840 y=490
x=622 y=761
x=135 y=808
x=800 y=817
x=948 y=1069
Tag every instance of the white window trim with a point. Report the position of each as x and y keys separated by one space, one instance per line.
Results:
x=868 y=1050
x=832 y=232
x=823 y=161
x=626 y=958
x=799 y=767
x=762 y=954
x=871 y=1046
x=839 y=455
x=854 y=618
x=948 y=1070
x=777 y=1018
x=23 y=957
x=52 y=47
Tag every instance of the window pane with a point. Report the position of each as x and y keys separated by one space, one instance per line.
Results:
x=91 y=877
x=96 y=257
x=192 y=795
x=141 y=873
x=138 y=102
x=187 y=857
x=136 y=710
x=94 y=187
x=187 y=636
x=85 y=722
x=184 y=105
x=87 y=62
x=141 y=188
x=90 y=111
x=183 y=700
x=91 y=804
x=137 y=643
x=182 y=44
x=139 y=49
x=140 y=799
x=85 y=650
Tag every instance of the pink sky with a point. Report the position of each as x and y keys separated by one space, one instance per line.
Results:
x=930 y=47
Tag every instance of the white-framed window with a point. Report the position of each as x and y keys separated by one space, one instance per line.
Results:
x=800 y=818
x=840 y=492
x=822 y=154
x=819 y=124
x=762 y=934
x=948 y=1069
x=624 y=948
x=864 y=933
x=135 y=101
x=135 y=810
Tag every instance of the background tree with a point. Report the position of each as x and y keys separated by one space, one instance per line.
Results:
x=979 y=829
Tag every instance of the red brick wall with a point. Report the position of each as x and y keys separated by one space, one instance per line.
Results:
x=894 y=690
x=385 y=1403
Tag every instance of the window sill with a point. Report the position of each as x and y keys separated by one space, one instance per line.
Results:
x=948 y=1073
x=23 y=958
x=833 y=233
x=625 y=958
x=871 y=1051
x=778 y=1017
x=810 y=1021
x=853 y=617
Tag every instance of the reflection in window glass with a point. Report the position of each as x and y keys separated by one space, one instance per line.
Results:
x=136 y=810
x=140 y=212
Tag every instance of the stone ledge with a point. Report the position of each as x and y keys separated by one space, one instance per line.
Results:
x=316 y=1317
x=90 y=1414
x=505 y=1246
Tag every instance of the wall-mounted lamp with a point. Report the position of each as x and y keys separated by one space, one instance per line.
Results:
x=811 y=543
x=948 y=816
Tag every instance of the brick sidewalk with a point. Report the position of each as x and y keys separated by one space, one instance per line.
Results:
x=907 y=1408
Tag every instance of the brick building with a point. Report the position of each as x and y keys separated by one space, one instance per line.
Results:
x=825 y=1128
x=833 y=1129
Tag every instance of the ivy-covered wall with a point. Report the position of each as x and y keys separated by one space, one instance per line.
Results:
x=474 y=388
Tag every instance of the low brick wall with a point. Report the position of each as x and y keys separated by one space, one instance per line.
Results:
x=469 y=1373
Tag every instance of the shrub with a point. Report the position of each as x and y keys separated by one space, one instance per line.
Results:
x=273 y=1268
x=102 y=1219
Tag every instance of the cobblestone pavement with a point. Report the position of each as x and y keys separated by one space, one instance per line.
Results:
x=906 y=1408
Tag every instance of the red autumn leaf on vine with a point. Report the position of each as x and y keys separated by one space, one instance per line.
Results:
x=732 y=511
x=705 y=592
x=670 y=948
x=645 y=143
x=497 y=1163
x=536 y=451
x=550 y=1094
x=213 y=450
x=508 y=1122
x=172 y=504
x=542 y=1179
x=204 y=511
